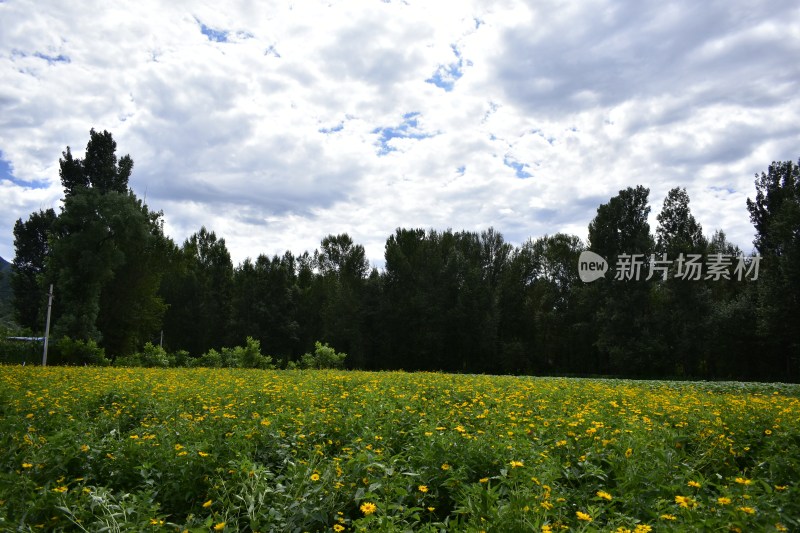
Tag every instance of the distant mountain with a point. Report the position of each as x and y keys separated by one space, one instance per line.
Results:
x=4 y=265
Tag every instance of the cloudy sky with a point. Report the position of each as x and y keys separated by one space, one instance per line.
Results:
x=275 y=124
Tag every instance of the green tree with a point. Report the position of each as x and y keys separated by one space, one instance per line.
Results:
x=678 y=231
x=775 y=213
x=107 y=253
x=551 y=300
x=264 y=303
x=99 y=169
x=623 y=320
x=31 y=245
x=731 y=336
x=198 y=290
x=343 y=269
x=680 y=305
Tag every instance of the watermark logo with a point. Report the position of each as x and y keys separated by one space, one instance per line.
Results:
x=591 y=266
x=690 y=267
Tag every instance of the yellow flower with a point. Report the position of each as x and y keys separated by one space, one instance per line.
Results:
x=219 y=527
x=748 y=510
x=516 y=464
x=431 y=509
x=547 y=529
x=780 y=488
x=178 y=447
x=314 y=477
x=743 y=481
x=694 y=484
x=85 y=448
x=685 y=502
x=722 y=500
x=445 y=466
x=642 y=528
x=368 y=508
x=628 y=453
x=780 y=527
x=156 y=522
x=603 y=494
x=423 y=488
x=483 y=480
x=767 y=432
x=27 y=465
x=202 y=454
x=668 y=517
x=583 y=516
x=207 y=504
x=338 y=528
x=60 y=489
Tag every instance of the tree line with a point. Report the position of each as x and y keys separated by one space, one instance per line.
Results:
x=448 y=300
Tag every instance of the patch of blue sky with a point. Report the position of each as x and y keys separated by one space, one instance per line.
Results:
x=327 y=131
x=408 y=129
x=5 y=169
x=460 y=170
x=272 y=51
x=52 y=60
x=727 y=189
x=550 y=140
x=217 y=36
x=446 y=76
x=519 y=168
x=7 y=174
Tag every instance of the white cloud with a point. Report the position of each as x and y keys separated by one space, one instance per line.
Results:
x=275 y=125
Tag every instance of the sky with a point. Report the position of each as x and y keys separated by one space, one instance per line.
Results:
x=275 y=124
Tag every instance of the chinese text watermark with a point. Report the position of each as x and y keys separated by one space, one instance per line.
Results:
x=691 y=267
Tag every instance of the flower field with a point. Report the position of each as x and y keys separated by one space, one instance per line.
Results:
x=249 y=450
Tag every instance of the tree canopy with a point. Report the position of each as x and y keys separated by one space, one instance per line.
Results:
x=465 y=301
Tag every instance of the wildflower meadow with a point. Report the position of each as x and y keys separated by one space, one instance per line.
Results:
x=133 y=449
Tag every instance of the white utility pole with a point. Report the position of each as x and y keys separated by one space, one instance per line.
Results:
x=47 y=326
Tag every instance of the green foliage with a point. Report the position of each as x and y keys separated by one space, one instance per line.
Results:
x=247 y=356
x=623 y=331
x=775 y=213
x=67 y=351
x=151 y=356
x=31 y=244
x=323 y=357
x=198 y=286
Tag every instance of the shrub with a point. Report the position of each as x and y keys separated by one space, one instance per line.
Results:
x=150 y=356
x=324 y=356
x=210 y=359
x=247 y=356
x=69 y=351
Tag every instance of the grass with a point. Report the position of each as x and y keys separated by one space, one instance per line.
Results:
x=247 y=450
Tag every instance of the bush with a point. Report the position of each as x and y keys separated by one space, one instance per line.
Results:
x=210 y=359
x=151 y=356
x=247 y=356
x=323 y=357
x=69 y=351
